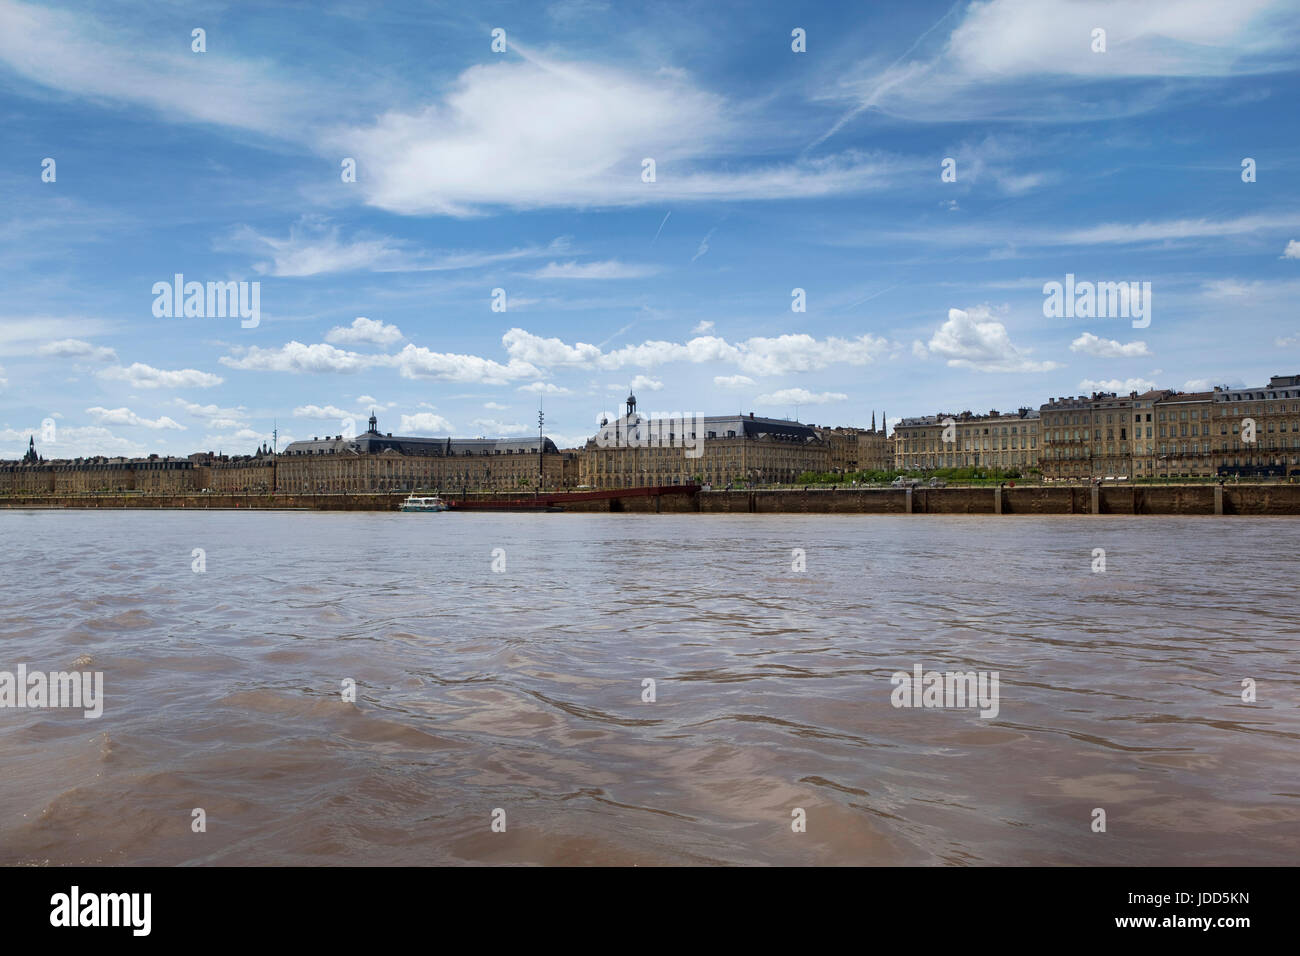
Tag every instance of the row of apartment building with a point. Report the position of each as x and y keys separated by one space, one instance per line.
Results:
x=1161 y=433
x=1156 y=434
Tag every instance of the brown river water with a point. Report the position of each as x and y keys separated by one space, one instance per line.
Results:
x=520 y=690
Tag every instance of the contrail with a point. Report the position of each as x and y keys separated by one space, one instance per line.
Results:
x=869 y=101
x=661 y=227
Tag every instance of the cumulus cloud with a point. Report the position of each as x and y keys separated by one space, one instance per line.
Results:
x=543 y=388
x=214 y=416
x=139 y=375
x=72 y=442
x=414 y=362
x=972 y=338
x=124 y=416
x=322 y=412
x=1121 y=386
x=419 y=362
x=1292 y=250
x=365 y=331
x=1090 y=344
x=75 y=348
x=732 y=381
x=296 y=357
x=425 y=422
x=702 y=328
x=645 y=382
x=760 y=355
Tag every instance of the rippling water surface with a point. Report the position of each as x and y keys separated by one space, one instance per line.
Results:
x=522 y=690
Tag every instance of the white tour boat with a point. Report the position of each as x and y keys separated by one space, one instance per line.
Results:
x=429 y=503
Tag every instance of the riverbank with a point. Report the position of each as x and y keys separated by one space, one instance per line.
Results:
x=1179 y=499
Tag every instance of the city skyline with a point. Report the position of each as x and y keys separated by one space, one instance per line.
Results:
x=781 y=177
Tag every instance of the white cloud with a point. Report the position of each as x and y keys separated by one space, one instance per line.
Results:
x=124 y=416
x=75 y=348
x=139 y=375
x=363 y=330
x=418 y=362
x=647 y=383
x=425 y=422
x=322 y=413
x=1090 y=344
x=1117 y=385
x=314 y=246
x=732 y=381
x=214 y=416
x=1041 y=50
x=1198 y=385
x=73 y=442
x=759 y=355
x=704 y=245
x=971 y=338
x=414 y=362
x=702 y=328
x=495 y=406
x=1292 y=250
x=76 y=53
x=535 y=132
x=800 y=396
x=543 y=388
x=1174 y=229
x=491 y=428
x=23 y=335
x=609 y=269
x=296 y=357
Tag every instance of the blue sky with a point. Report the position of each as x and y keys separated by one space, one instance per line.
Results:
x=775 y=170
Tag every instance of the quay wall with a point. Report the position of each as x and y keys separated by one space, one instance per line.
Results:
x=1235 y=499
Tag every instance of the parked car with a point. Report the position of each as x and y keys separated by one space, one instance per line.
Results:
x=938 y=483
x=901 y=482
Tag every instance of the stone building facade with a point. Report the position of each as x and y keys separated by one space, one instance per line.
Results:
x=1274 y=412
x=636 y=451
x=875 y=447
x=1008 y=441
x=376 y=461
